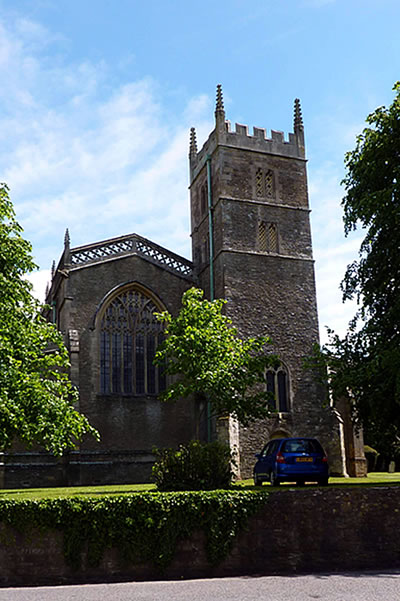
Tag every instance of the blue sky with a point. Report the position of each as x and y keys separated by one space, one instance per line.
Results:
x=98 y=96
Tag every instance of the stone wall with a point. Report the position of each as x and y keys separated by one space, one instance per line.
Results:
x=298 y=531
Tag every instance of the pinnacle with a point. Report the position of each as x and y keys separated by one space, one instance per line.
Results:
x=53 y=269
x=298 y=118
x=66 y=238
x=220 y=100
x=193 y=142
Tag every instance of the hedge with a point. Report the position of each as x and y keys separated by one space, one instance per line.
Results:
x=144 y=527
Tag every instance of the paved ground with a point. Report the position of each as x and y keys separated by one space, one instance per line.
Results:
x=363 y=586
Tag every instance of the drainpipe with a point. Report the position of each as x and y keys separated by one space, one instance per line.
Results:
x=211 y=236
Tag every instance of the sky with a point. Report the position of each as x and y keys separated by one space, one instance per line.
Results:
x=98 y=96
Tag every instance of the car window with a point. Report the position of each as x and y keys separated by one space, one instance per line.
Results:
x=274 y=447
x=302 y=446
x=265 y=450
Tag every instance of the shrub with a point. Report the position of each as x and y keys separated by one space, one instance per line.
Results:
x=371 y=455
x=195 y=466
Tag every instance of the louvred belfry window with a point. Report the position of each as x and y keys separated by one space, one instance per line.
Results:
x=129 y=337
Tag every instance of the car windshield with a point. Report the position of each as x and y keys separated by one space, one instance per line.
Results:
x=301 y=446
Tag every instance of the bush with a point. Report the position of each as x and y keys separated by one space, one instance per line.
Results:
x=195 y=466
x=371 y=455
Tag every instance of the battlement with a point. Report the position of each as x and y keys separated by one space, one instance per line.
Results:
x=223 y=135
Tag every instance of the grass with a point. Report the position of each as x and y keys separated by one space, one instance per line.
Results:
x=373 y=479
x=74 y=491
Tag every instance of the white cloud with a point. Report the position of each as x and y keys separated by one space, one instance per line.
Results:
x=332 y=251
x=99 y=159
x=39 y=280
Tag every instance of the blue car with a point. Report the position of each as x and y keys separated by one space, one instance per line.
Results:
x=297 y=460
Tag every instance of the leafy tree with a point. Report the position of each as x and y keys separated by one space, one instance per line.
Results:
x=367 y=361
x=203 y=349
x=36 y=395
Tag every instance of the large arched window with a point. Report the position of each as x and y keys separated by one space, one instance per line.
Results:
x=129 y=336
x=278 y=385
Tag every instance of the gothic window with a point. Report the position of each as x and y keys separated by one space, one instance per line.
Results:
x=265 y=185
x=262 y=237
x=269 y=184
x=267 y=237
x=129 y=336
x=259 y=183
x=272 y=238
x=277 y=384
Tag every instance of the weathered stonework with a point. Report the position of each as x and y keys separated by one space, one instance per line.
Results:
x=263 y=267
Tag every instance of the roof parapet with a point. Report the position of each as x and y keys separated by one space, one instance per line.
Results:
x=223 y=135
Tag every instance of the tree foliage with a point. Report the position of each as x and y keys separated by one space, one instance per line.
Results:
x=36 y=395
x=203 y=349
x=367 y=361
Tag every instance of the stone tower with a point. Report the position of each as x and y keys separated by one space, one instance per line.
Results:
x=257 y=235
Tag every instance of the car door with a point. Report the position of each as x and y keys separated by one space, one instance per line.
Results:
x=261 y=465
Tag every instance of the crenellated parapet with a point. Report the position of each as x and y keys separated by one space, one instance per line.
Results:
x=239 y=137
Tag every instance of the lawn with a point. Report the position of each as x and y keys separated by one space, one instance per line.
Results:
x=373 y=479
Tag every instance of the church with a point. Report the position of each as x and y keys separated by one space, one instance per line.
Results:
x=251 y=245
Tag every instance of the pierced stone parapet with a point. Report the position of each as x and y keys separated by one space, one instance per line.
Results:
x=130 y=245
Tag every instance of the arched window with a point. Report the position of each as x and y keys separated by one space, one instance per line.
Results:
x=268 y=240
x=129 y=336
x=272 y=238
x=278 y=385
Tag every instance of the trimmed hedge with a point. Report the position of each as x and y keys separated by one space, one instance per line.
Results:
x=144 y=527
x=194 y=466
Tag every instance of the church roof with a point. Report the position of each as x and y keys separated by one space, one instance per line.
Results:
x=131 y=244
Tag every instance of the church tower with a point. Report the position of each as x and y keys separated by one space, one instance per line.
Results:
x=251 y=243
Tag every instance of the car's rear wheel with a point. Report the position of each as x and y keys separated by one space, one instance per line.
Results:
x=274 y=480
x=323 y=481
x=300 y=482
x=257 y=481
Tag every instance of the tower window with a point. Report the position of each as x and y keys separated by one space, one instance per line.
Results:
x=265 y=184
x=269 y=184
x=268 y=237
x=129 y=336
x=272 y=238
x=277 y=385
x=262 y=237
x=259 y=183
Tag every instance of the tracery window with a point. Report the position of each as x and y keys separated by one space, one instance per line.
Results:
x=129 y=337
x=265 y=184
x=262 y=237
x=268 y=237
x=272 y=238
x=277 y=383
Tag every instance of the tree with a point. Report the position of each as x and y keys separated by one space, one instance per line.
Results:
x=36 y=396
x=203 y=349
x=367 y=361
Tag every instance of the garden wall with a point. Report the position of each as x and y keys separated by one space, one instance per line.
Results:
x=298 y=530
